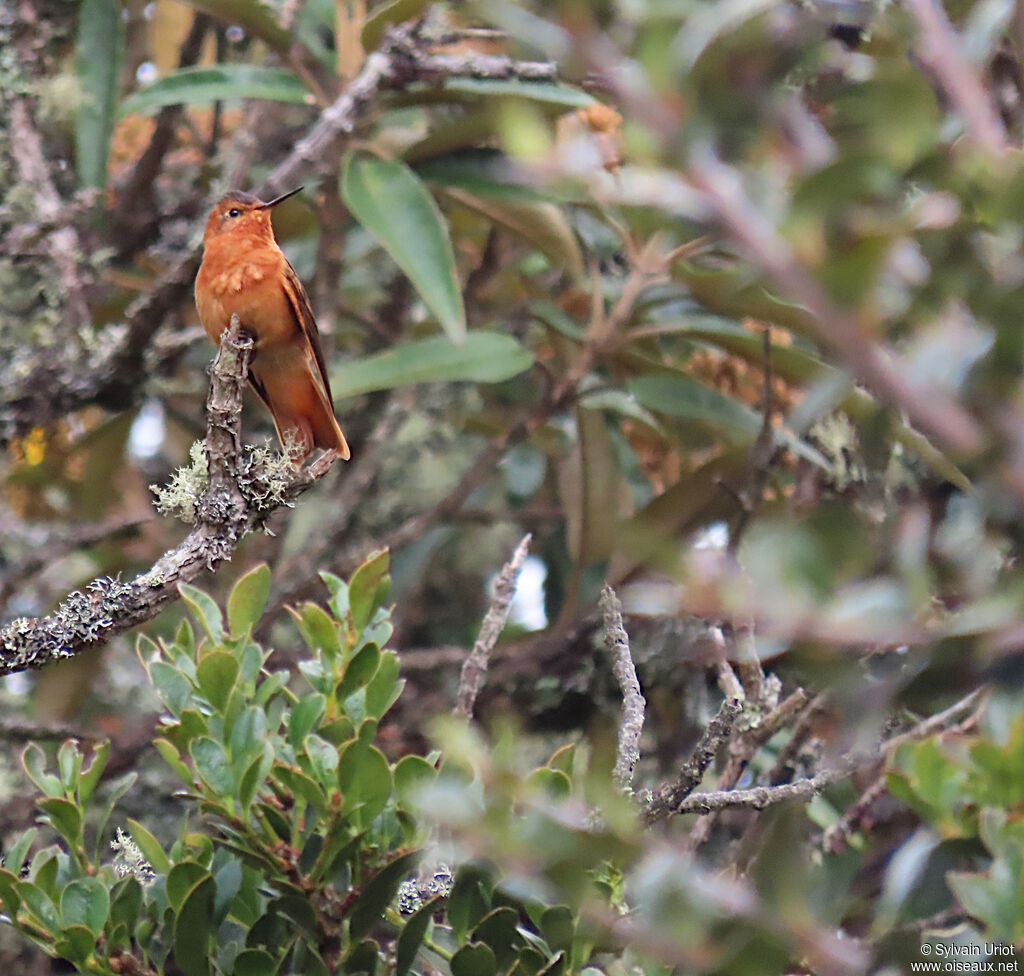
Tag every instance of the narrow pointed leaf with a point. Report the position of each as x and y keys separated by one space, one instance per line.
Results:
x=484 y=357
x=394 y=206
x=218 y=83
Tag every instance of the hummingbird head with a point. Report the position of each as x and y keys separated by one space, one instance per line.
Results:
x=238 y=213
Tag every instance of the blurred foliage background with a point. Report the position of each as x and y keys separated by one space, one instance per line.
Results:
x=721 y=301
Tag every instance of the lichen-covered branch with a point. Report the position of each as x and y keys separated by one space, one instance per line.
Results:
x=627 y=752
x=474 y=670
x=241 y=492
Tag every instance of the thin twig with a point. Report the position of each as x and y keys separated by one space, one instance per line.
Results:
x=836 y=836
x=627 y=752
x=759 y=797
x=16 y=730
x=225 y=514
x=474 y=670
x=669 y=799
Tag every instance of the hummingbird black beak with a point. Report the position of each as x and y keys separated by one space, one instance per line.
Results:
x=277 y=200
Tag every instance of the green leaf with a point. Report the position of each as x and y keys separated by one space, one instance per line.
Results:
x=172 y=757
x=364 y=958
x=553 y=92
x=114 y=792
x=475 y=959
x=378 y=892
x=213 y=766
x=412 y=935
x=484 y=357
x=391 y=203
x=469 y=900
x=39 y=904
x=192 y=929
x=97 y=63
x=298 y=909
x=368 y=589
x=499 y=931
x=541 y=225
x=34 y=761
x=203 y=609
x=317 y=628
x=248 y=734
x=69 y=762
x=558 y=925
x=482 y=172
x=65 y=817
x=247 y=600
x=173 y=687
x=85 y=901
x=386 y=14
x=255 y=776
x=228 y=880
x=364 y=779
x=258 y=19
x=255 y=962
x=338 y=589
x=305 y=714
x=412 y=774
x=552 y=782
x=216 y=676
x=681 y=396
x=75 y=944
x=323 y=757
x=88 y=780
x=183 y=877
x=359 y=671
x=126 y=901
x=302 y=786
x=383 y=691
x=219 y=83
x=43 y=871
x=14 y=857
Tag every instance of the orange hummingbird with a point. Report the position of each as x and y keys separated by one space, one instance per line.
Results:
x=245 y=273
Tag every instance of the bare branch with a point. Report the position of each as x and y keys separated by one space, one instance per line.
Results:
x=943 y=53
x=759 y=797
x=404 y=58
x=627 y=753
x=225 y=514
x=474 y=670
x=16 y=730
x=669 y=799
x=836 y=836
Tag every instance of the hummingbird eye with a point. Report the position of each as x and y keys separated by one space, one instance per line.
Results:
x=234 y=212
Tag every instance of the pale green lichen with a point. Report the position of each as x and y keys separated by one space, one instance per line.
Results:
x=180 y=497
x=60 y=99
x=837 y=439
x=263 y=477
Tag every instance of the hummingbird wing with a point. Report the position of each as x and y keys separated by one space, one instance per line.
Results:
x=291 y=377
x=298 y=301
